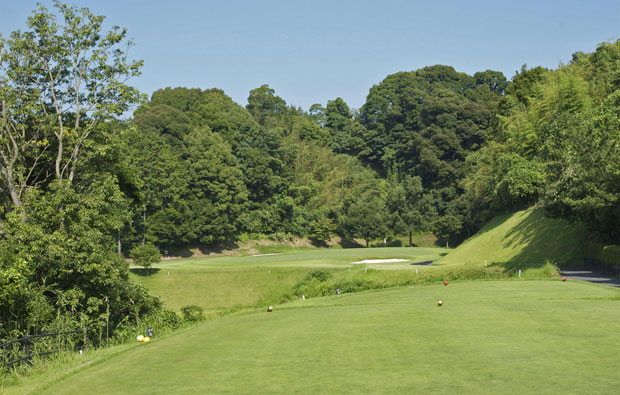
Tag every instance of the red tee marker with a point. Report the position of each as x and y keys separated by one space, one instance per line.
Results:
x=563 y=278
x=445 y=283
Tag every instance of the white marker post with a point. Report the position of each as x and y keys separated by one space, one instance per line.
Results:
x=303 y=297
x=519 y=273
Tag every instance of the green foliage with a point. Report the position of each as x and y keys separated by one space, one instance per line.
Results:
x=366 y=219
x=60 y=270
x=192 y=313
x=519 y=182
x=605 y=254
x=192 y=182
x=62 y=81
x=320 y=229
x=145 y=255
x=263 y=103
x=423 y=124
x=218 y=194
x=563 y=126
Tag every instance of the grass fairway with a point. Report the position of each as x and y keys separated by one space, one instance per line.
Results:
x=221 y=283
x=524 y=239
x=489 y=337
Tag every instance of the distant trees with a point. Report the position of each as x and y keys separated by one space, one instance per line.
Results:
x=556 y=143
x=425 y=123
x=210 y=171
x=193 y=184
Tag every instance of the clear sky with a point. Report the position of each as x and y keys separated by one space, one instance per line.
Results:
x=314 y=51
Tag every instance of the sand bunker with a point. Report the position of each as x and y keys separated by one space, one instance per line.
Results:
x=382 y=260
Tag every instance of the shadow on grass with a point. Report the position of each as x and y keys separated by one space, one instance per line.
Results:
x=140 y=271
x=189 y=251
x=495 y=222
x=545 y=239
x=515 y=265
x=390 y=243
x=425 y=263
x=348 y=243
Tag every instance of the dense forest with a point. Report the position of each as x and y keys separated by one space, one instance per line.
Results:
x=431 y=150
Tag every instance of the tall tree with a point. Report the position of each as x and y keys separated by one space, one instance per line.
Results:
x=60 y=82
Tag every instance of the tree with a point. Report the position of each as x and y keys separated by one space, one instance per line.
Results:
x=263 y=103
x=217 y=193
x=414 y=205
x=425 y=123
x=66 y=190
x=59 y=268
x=59 y=83
x=366 y=219
x=319 y=230
x=145 y=255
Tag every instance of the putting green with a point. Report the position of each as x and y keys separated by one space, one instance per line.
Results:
x=489 y=337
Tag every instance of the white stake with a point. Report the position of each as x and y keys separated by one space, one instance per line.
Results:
x=519 y=272
x=303 y=297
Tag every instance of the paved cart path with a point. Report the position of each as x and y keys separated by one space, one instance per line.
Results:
x=590 y=276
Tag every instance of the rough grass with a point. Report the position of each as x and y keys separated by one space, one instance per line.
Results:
x=525 y=239
x=490 y=337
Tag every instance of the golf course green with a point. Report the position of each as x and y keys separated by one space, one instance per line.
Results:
x=543 y=336
x=220 y=283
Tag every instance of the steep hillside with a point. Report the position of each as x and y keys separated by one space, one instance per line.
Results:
x=524 y=238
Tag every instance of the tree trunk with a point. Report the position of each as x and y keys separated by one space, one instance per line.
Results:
x=144 y=225
x=410 y=239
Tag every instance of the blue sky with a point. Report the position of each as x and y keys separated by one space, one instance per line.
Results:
x=314 y=51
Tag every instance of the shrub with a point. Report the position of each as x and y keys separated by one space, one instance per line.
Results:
x=145 y=255
x=315 y=284
x=192 y=313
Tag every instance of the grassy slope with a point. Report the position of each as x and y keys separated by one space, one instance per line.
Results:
x=221 y=283
x=489 y=337
x=525 y=238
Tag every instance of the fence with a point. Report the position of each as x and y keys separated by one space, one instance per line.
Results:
x=29 y=347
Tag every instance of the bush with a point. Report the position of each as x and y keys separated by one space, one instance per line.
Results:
x=192 y=313
x=315 y=284
x=145 y=255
